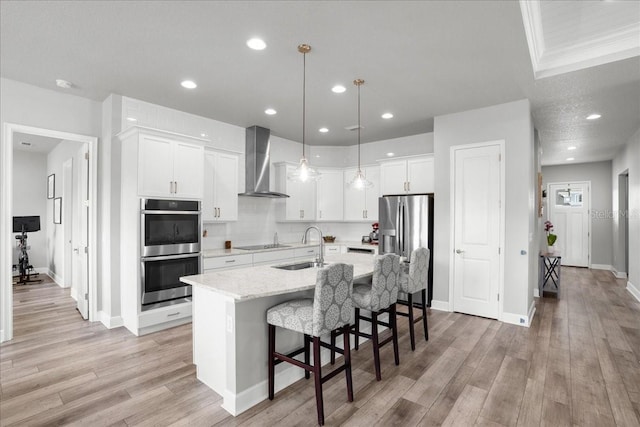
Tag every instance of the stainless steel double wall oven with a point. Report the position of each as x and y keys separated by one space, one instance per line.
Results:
x=169 y=249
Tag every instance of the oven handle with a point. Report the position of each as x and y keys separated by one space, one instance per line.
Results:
x=152 y=212
x=167 y=257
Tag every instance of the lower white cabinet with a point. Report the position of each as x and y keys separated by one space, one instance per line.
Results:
x=163 y=315
x=272 y=257
x=227 y=262
x=333 y=249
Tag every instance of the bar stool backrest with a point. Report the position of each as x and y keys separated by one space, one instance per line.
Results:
x=418 y=271
x=333 y=303
x=385 y=281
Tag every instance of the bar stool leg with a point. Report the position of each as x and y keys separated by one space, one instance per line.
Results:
x=424 y=315
x=272 y=349
x=307 y=341
x=376 y=347
x=394 y=326
x=347 y=362
x=317 y=376
x=412 y=333
x=357 y=328
x=333 y=344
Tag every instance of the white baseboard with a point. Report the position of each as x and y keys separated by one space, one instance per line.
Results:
x=110 y=322
x=633 y=290
x=536 y=293
x=601 y=267
x=1 y=335
x=619 y=274
x=519 y=319
x=59 y=280
x=440 y=305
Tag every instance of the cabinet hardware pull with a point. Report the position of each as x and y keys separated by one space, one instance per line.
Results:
x=219 y=214
x=409 y=186
x=171 y=187
x=230 y=261
x=173 y=314
x=176 y=182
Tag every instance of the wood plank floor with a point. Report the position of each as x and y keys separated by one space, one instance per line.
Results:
x=578 y=365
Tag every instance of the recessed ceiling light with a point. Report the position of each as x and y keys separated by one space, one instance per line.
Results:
x=391 y=154
x=338 y=89
x=573 y=147
x=204 y=135
x=64 y=84
x=323 y=130
x=132 y=119
x=317 y=156
x=256 y=44
x=570 y=159
x=387 y=115
x=270 y=111
x=188 y=84
x=593 y=116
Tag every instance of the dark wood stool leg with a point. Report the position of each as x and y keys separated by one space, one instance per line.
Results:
x=376 y=347
x=333 y=344
x=394 y=331
x=412 y=333
x=272 y=349
x=317 y=376
x=347 y=362
x=424 y=315
x=307 y=341
x=357 y=327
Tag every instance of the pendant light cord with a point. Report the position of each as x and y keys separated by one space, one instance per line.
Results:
x=359 y=128
x=304 y=98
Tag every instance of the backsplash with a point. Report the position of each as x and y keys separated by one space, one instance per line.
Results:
x=257 y=223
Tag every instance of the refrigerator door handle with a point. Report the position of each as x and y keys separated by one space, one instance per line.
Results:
x=401 y=228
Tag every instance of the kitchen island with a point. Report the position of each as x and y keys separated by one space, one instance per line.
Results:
x=230 y=328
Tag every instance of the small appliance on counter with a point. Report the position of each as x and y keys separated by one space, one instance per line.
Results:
x=373 y=236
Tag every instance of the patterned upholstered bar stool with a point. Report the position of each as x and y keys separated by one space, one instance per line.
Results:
x=412 y=282
x=379 y=297
x=330 y=309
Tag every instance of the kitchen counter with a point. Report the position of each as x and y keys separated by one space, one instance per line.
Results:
x=230 y=328
x=214 y=253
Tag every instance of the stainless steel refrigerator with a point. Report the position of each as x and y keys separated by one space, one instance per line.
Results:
x=406 y=223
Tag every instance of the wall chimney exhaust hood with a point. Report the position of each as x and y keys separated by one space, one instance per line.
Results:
x=257 y=164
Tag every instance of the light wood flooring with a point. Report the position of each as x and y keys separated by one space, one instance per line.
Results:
x=578 y=365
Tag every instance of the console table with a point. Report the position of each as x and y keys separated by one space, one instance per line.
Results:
x=549 y=278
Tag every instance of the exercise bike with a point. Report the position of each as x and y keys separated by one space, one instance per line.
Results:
x=22 y=225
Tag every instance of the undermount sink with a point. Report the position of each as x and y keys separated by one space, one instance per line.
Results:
x=299 y=265
x=258 y=247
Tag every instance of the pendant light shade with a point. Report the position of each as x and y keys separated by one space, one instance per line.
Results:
x=359 y=181
x=304 y=172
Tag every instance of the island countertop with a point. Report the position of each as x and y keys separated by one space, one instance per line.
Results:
x=263 y=281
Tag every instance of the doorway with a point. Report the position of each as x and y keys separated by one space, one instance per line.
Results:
x=6 y=204
x=478 y=228
x=569 y=207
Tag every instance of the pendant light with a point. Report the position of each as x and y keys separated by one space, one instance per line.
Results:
x=359 y=182
x=304 y=172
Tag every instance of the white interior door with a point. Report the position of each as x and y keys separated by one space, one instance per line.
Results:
x=67 y=223
x=82 y=254
x=477 y=218
x=569 y=214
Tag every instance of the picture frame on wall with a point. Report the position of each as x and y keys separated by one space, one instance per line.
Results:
x=51 y=186
x=57 y=210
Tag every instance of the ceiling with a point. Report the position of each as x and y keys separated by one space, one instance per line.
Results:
x=419 y=60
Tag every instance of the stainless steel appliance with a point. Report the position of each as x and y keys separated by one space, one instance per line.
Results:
x=169 y=227
x=406 y=223
x=257 y=164
x=169 y=248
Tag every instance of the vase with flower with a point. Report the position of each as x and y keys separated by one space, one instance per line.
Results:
x=551 y=238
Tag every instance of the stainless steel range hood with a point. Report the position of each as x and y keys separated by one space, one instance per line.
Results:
x=257 y=164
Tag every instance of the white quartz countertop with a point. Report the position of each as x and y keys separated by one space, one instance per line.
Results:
x=214 y=253
x=262 y=281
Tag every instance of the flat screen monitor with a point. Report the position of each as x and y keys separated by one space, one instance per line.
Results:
x=28 y=224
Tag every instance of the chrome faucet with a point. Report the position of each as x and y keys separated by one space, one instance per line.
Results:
x=320 y=259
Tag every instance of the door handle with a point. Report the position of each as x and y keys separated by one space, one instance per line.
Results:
x=76 y=250
x=459 y=251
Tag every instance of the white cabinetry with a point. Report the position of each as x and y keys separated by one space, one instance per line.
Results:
x=220 y=202
x=362 y=205
x=330 y=189
x=413 y=175
x=169 y=168
x=227 y=262
x=301 y=203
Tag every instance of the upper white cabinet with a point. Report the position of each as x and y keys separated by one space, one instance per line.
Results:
x=301 y=203
x=413 y=175
x=169 y=168
x=330 y=188
x=220 y=202
x=362 y=205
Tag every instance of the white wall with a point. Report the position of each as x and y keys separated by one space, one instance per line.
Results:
x=512 y=123
x=628 y=159
x=599 y=173
x=30 y=198
x=56 y=232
